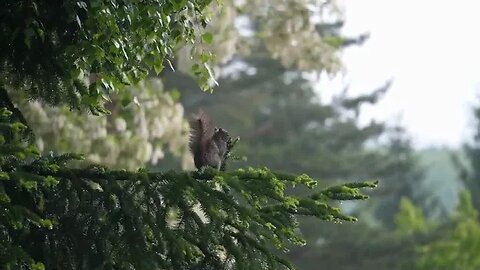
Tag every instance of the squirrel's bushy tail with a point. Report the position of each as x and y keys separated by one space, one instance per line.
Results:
x=201 y=131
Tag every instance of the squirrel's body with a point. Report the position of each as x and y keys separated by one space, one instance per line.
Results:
x=207 y=143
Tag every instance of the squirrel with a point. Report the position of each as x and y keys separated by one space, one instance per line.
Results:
x=208 y=144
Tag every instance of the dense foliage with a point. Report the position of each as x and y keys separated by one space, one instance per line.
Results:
x=78 y=52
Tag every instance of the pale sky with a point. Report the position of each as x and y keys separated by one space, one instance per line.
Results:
x=431 y=49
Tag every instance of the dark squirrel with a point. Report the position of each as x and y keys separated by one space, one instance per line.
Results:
x=208 y=144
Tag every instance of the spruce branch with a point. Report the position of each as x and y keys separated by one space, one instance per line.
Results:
x=101 y=218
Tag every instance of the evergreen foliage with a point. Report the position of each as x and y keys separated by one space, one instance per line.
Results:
x=58 y=216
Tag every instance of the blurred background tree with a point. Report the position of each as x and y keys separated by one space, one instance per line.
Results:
x=468 y=165
x=457 y=247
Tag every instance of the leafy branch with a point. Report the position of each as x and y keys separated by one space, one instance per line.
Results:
x=79 y=52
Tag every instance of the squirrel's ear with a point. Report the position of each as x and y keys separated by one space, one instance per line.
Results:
x=217 y=129
x=200 y=114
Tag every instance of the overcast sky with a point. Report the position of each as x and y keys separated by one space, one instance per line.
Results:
x=431 y=49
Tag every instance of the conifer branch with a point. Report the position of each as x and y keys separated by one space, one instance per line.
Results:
x=169 y=220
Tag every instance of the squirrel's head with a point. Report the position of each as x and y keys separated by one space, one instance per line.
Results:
x=221 y=134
